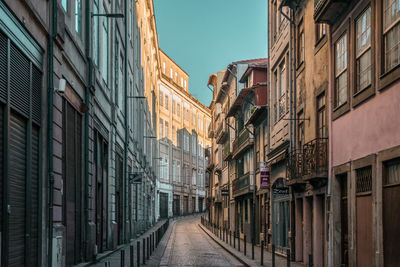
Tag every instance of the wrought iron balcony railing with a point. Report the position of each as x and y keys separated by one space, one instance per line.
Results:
x=222 y=131
x=295 y=166
x=327 y=11
x=241 y=184
x=316 y=159
x=241 y=142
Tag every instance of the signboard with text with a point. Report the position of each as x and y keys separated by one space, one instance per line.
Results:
x=264 y=176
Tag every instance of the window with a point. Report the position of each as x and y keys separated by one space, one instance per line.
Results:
x=341 y=84
x=193 y=177
x=129 y=22
x=193 y=119
x=64 y=4
x=181 y=82
x=391 y=32
x=176 y=77
x=166 y=102
x=161 y=99
x=363 y=51
x=300 y=43
x=166 y=129
x=276 y=96
x=194 y=144
x=163 y=67
x=78 y=17
x=95 y=32
x=391 y=172
x=274 y=21
x=173 y=133
x=321 y=117
x=164 y=167
x=320 y=31
x=282 y=90
x=185 y=84
x=104 y=51
x=161 y=128
x=186 y=142
x=171 y=74
x=178 y=109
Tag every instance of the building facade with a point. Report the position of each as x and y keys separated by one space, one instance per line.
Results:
x=182 y=123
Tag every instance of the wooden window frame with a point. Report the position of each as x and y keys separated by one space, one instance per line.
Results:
x=369 y=91
x=300 y=43
x=338 y=111
x=386 y=78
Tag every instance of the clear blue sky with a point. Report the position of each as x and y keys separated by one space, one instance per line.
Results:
x=204 y=36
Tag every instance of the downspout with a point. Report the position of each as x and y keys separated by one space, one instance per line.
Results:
x=53 y=35
x=126 y=188
x=87 y=92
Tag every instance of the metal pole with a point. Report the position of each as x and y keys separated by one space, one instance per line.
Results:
x=252 y=249
x=262 y=252
x=144 y=251
x=288 y=256
x=310 y=260
x=122 y=258
x=244 y=241
x=230 y=238
x=148 y=247
x=138 y=253
x=234 y=239
x=131 y=256
x=273 y=255
x=238 y=238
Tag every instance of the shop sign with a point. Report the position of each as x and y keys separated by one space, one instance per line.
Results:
x=264 y=176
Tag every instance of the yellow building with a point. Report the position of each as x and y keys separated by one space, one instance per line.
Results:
x=182 y=123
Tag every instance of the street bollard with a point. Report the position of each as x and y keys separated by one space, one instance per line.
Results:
x=273 y=255
x=245 y=245
x=220 y=234
x=234 y=239
x=223 y=234
x=310 y=260
x=144 y=250
x=252 y=248
x=288 y=256
x=138 y=253
x=238 y=238
x=230 y=238
x=122 y=258
x=131 y=256
x=148 y=247
x=262 y=252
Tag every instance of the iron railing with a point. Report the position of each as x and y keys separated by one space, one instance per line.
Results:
x=295 y=164
x=227 y=150
x=316 y=158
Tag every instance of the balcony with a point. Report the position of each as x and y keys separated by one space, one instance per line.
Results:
x=218 y=162
x=209 y=158
x=222 y=131
x=241 y=185
x=210 y=131
x=295 y=167
x=315 y=160
x=242 y=142
x=327 y=11
x=217 y=196
x=227 y=153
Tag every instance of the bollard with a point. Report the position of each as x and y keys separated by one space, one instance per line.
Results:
x=223 y=234
x=234 y=239
x=273 y=255
x=122 y=258
x=230 y=238
x=138 y=253
x=310 y=260
x=238 y=238
x=252 y=248
x=148 y=247
x=288 y=256
x=245 y=245
x=144 y=250
x=220 y=234
x=262 y=252
x=131 y=256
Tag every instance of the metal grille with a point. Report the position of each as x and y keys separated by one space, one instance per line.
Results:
x=34 y=201
x=364 y=180
x=3 y=68
x=19 y=81
x=36 y=94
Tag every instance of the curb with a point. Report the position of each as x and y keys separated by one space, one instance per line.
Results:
x=227 y=250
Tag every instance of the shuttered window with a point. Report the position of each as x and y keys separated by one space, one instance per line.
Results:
x=21 y=85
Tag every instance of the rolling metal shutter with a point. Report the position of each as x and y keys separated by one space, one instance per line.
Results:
x=17 y=190
x=34 y=198
x=3 y=68
x=1 y=170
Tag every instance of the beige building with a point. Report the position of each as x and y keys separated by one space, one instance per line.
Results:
x=182 y=122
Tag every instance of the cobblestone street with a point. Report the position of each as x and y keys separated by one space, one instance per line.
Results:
x=190 y=246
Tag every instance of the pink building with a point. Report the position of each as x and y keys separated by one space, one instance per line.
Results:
x=364 y=89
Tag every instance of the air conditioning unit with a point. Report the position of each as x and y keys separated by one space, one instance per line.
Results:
x=218 y=108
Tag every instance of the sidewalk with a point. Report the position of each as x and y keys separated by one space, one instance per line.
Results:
x=279 y=261
x=153 y=239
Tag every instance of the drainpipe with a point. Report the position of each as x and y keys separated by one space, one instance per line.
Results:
x=330 y=160
x=87 y=90
x=126 y=143
x=53 y=34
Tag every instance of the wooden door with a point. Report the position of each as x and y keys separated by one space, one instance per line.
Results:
x=364 y=252
x=164 y=205
x=391 y=213
x=344 y=220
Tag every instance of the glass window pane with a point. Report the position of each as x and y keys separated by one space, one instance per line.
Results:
x=363 y=26
x=392 y=44
x=364 y=71
x=78 y=16
x=341 y=89
x=64 y=4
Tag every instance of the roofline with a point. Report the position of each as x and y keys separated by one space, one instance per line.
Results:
x=164 y=53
